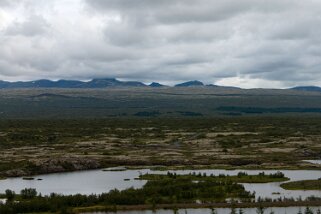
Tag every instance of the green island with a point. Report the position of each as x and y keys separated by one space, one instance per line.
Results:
x=241 y=177
x=302 y=185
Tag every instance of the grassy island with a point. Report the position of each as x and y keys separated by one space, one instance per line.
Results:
x=241 y=177
x=302 y=185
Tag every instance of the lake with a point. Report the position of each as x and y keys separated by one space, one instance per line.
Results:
x=98 y=181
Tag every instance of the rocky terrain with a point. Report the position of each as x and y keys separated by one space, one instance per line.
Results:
x=37 y=147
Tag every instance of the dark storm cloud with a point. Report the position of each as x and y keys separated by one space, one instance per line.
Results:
x=250 y=43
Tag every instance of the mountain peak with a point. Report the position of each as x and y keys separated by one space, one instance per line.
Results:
x=155 y=84
x=190 y=84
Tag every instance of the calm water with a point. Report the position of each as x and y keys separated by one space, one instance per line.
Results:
x=98 y=181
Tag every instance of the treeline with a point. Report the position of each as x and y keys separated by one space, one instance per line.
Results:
x=241 y=177
x=29 y=202
x=261 y=210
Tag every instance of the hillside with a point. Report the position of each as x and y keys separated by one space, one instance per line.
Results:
x=154 y=102
x=307 y=88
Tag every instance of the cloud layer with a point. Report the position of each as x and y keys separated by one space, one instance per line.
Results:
x=247 y=43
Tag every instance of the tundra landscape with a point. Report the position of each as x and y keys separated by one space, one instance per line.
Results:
x=168 y=127
x=55 y=130
x=164 y=106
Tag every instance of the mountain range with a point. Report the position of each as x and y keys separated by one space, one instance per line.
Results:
x=95 y=83
x=113 y=82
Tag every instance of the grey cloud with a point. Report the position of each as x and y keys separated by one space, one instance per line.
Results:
x=180 y=11
x=167 y=40
x=33 y=26
x=5 y=3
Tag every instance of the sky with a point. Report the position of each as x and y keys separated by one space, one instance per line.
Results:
x=244 y=43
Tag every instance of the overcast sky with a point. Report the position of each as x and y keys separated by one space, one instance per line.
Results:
x=246 y=43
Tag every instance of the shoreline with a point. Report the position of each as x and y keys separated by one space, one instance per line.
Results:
x=100 y=208
x=171 y=168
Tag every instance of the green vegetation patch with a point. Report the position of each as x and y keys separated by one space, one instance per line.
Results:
x=241 y=177
x=303 y=185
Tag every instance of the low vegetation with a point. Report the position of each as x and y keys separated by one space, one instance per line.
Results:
x=42 y=146
x=303 y=185
x=240 y=178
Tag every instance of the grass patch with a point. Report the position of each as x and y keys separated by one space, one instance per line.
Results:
x=302 y=185
x=240 y=178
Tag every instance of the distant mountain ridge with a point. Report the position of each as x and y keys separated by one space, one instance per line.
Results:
x=307 y=88
x=95 y=83
x=113 y=82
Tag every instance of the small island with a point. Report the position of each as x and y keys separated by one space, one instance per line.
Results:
x=302 y=185
x=241 y=177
